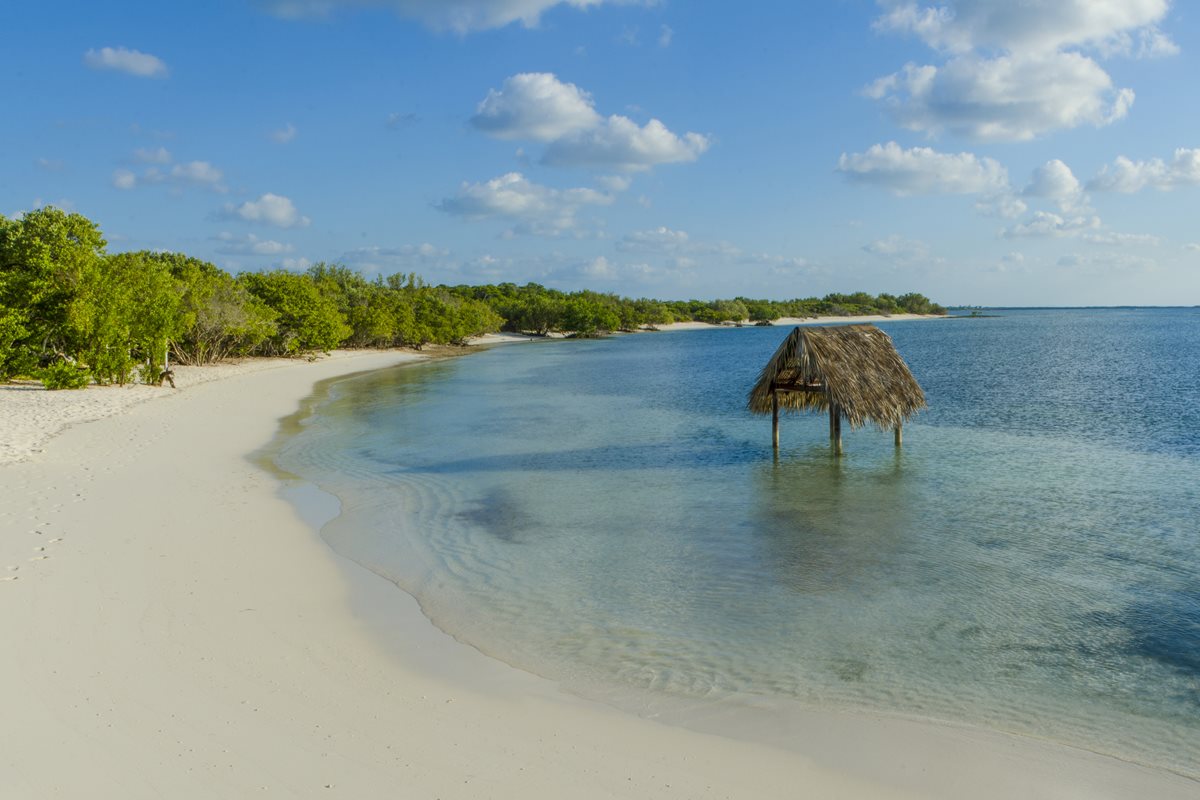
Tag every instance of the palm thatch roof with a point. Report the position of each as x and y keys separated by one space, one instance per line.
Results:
x=855 y=367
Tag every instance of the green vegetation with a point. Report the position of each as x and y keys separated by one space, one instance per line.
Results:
x=533 y=308
x=71 y=313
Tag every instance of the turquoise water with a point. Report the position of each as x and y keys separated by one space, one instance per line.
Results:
x=607 y=514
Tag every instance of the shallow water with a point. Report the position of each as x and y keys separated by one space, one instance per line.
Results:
x=607 y=514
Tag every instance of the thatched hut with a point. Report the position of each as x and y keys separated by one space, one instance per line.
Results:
x=851 y=371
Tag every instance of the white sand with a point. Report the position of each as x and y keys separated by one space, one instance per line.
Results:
x=175 y=630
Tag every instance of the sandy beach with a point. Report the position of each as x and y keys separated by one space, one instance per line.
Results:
x=174 y=627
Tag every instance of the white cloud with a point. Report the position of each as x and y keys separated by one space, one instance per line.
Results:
x=1016 y=70
x=1153 y=43
x=120 y=59
x=598 y=268
x=621 y=143
x=1007 y=98
x=124 y=179
x=249 y=245
x=535 y=105
x=199 y=173
x=675 y=254
x=1108 y=262
x=1121 y=239
x=615 y=183
x=1047 y=224
x=665 y=35
x=50 y=164
x=157 y=155
x=270 y=209
x=190 y=173
x=1192 y=246
x=295 y=264
x=537 y=208
x=1129 y=176
x=922 y=170
x=405 y=258
x=460 y=16
x=284 y=134
x=659 y=240
x=899 y=250
x=1054 y=181
x=959 y=26
x=1001 y=204
x=539 y=107
x=684 y=250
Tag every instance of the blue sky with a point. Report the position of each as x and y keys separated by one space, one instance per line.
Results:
x=980 y=151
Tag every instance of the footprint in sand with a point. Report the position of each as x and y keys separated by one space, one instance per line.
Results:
x=38 y=549
x=39 y=558
x=55 y=541
x=10 y=578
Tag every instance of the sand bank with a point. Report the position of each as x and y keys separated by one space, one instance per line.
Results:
x=176 y=629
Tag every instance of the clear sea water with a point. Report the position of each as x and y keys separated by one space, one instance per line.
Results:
x=607 y=514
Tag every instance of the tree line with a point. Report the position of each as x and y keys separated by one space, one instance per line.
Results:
x=71 y=313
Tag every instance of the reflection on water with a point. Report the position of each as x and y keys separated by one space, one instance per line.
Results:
x=607 y=514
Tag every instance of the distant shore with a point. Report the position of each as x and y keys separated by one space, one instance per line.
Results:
x=173 y=627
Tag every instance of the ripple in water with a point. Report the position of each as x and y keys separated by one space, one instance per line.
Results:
x=606 y=514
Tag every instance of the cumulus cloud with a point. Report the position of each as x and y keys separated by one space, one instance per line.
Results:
x=1107 y=262
x=1015 y=71
x=1121 y=239
x=191 y=173
x=437 y=262
x=124 y=179
x=659 y=240
x=620 y=142
x=295 y=264
x=1048 y=224
x=959 y=26
x=535 y=105
x=156 y=155
x=1128 y=176
x=284 y=134
x=922 y=170
x=131 y=62
x=899 y=250
x=539 y=107
x=1008 y=98
x=615 y=183
x=199 y=173
x=460 y=16
x=249 y=245
x=270 y=209
x=666 y=252
x=598 y=268
x=534 y=207
x=1054 y=181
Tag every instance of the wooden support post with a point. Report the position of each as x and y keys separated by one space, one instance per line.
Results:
x=835 y=428
x=775 y=419
x=899 y=435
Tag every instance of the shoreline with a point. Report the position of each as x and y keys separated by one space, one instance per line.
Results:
x=190 y=634
x=35 y=415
